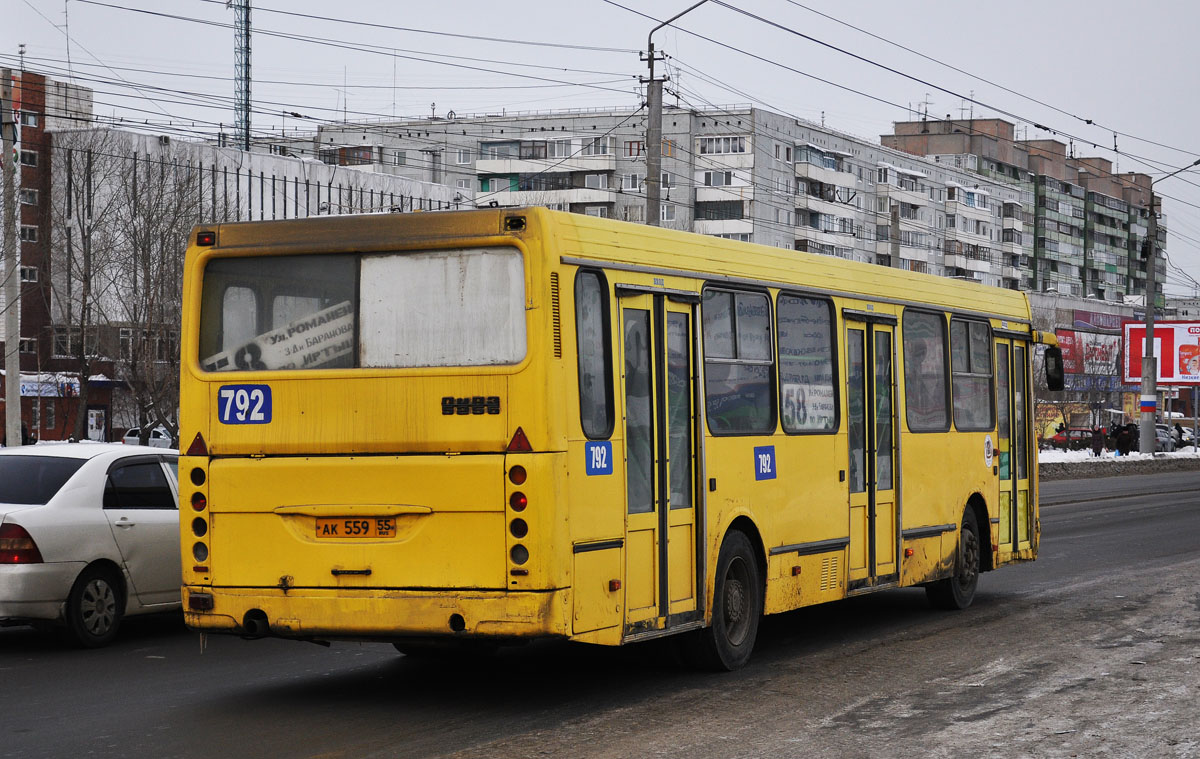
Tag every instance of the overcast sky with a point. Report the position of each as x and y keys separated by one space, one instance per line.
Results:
x=1130 y=68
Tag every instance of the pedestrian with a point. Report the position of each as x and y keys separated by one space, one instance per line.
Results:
x=1097 y=440
x=1178 y=435
x=1124 y=439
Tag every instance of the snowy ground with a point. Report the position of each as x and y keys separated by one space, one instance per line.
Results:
x=1054 y=456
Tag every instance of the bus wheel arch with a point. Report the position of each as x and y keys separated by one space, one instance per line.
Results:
x=957 y=591
x=983 y=521
x=739 y=590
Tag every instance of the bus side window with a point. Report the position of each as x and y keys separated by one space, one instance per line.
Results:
x=971 y=370
x=925 y=386
x=738 y=362
x=595 y=354
x=806 y=367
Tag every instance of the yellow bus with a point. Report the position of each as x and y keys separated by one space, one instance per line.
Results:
x=507 y=424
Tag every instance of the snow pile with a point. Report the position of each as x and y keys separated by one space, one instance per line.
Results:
x=1055 y=456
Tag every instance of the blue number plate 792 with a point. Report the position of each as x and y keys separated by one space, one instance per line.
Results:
x=244 y=404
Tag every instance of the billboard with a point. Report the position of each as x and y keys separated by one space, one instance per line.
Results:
x=1176 y=348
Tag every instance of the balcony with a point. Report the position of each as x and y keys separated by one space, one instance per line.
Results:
x=727 y=192
x=590 y=163
x=544 y=197
x=912 y=197
x=827 y=176
x=723 y=226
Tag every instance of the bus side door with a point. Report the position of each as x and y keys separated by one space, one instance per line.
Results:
x=658 y=384
x=1012 y=446
x=874 y=471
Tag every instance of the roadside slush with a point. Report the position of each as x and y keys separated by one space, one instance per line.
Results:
x=1076 y=465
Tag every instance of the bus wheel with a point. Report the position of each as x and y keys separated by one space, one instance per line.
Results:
x=737 y=607
x=957 y=592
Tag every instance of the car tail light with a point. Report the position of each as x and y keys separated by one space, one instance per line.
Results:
x=17 y=546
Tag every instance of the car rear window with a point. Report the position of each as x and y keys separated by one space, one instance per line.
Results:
x=34 y=479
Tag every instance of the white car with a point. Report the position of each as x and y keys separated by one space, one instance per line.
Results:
x=159 y=437
x=89 y=533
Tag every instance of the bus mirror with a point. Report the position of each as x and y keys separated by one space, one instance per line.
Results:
x=1054 y=368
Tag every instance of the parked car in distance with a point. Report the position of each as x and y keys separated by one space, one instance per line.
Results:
x=1164 y=438
x=159 y=437
x=1074 y=439
x=89 y=533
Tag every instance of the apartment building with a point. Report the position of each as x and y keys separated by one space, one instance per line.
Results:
x=742 y=173
x=1087 y=221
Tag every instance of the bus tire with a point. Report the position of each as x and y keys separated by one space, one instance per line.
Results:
x=958 y=591
x=737 y=607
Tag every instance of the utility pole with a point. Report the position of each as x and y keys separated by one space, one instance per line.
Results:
x=654 y=127
x=1149 y=400
x=12 y=266
x=241 y=58
x=1149 y=394
x=653 y=141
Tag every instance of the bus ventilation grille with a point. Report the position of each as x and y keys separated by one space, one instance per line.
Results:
x=556 y=314
x=829 y=573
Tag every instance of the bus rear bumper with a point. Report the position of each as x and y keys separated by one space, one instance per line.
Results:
x=380 y=615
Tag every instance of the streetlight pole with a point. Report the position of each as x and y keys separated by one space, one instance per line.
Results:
x=654 y=127
x=1149 y=394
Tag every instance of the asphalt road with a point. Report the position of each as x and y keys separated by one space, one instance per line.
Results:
x=1093 y=650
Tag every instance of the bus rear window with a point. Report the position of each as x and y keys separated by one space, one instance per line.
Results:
x=462 y=307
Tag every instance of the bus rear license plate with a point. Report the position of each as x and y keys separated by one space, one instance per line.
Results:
x=342 y=527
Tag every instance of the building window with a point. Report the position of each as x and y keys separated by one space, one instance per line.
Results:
x=399 y=158
x=882 y=176
x=668 y=181
x=634 y=148
x=29 y=274
x=49 y=420
x=29 y=233
x=29 y=119
x=595 y=146
x=718 y=145
x=738 y=362
x=595 y=181
x=29 y=158
x=560 y=148
x=462 y=184
x=600 y=212
x=126 y=344
x=666 y=212
x=29 y=197
x=27 y=345
x=632 y=182
x=720 y=210
x=462 y=156
x=971 y=369
x=925 y=387
x=718 y=178
x=534 y=151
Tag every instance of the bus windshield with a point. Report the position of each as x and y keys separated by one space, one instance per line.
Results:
x=459 y=307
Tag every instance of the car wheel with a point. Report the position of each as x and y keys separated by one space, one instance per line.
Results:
x=958 y=590
x=95 y=607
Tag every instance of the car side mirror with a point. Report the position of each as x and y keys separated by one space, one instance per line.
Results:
x=1054 y=368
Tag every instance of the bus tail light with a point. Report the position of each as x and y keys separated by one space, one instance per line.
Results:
x=200 y=601
x=17 y=546
x=517 y=475
x=517 y=501
x=199 y=502
x=519 y=443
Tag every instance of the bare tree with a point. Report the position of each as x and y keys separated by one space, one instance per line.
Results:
x=86 y=222
x=160 y=200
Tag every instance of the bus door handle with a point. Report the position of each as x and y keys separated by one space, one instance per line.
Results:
x=340 y=572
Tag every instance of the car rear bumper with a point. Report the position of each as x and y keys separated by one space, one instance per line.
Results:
x=36 y=591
